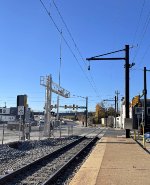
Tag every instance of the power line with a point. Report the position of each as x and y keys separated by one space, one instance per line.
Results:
x=67 y=44
x=145 y=27
x=112 y=52
x=68 y=31
x=77 y=48
x=137 y=69
x=145 y=53
x=139 y=21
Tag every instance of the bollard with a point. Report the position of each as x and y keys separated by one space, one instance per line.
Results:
x=134 y=135
x=138 y=135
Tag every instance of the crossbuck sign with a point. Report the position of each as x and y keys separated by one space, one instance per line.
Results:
x=20 y=110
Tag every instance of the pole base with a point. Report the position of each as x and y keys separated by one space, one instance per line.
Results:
x=127 y=133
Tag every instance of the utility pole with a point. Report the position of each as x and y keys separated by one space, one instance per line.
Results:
x=145 y=101
x=115 y=108
x=117 y=93
x=115 y=112
x=127 y=66
x=59 y=77
x=145 y=98
x=85 y=107
x=86 y=117
x=127 y=86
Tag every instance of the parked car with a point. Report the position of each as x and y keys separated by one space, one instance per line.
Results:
x=147 y=137
x=34 y=123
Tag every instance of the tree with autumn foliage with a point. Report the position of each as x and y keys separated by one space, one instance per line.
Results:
x=111 y=111
x=100 y=112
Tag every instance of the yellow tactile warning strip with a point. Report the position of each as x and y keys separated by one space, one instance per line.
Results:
x=88 y=172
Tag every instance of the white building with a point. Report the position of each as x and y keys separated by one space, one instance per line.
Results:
x=123 y=114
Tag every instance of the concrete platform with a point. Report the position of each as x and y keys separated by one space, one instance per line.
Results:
x=115 y=161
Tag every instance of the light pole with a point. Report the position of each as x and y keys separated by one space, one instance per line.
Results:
x=117 y=93
x=86 y=117
x=115 y=108
x=59 y=78
x=86 y=107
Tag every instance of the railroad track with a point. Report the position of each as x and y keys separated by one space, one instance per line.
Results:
x=46 y=170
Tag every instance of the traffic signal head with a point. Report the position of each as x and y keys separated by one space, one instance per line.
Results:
x=65 y=106
x=73 y=106
x=22 y=100
x=52 y=113
x=135 y=100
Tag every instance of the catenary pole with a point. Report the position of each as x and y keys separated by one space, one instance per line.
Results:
x=127 y=66
x=86 y=117
x=115 y=100
x=117 y=93
x=145 y=99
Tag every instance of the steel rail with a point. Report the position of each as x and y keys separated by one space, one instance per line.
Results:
x=93 y=131
x=9 y=177
x=54 y=177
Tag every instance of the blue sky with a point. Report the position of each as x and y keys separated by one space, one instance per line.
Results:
x=30 y=48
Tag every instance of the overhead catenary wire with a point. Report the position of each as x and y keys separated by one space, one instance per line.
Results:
x=73 y=40
x=145 y=53
x=145 y=26
x=68 y=31
x=135 y=35
x=137 y=69
x=112 y=52
x=144 y=30
x=67 y=45
x=139 y=21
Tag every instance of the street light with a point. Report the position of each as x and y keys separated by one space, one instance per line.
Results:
x=59 y=77
x=115 y=108
x=86 y=98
